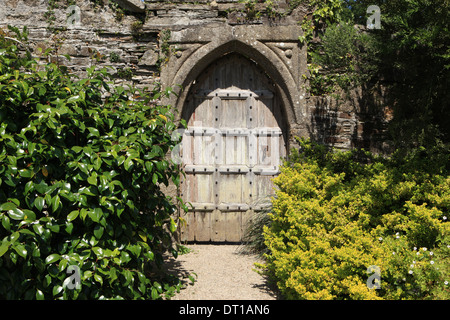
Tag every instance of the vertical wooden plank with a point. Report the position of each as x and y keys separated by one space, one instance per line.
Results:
x=261 y=112
x=187 y=229
x=216 y=105
x=233 y=226
x=241 y=145
x=230 y=188
x=231 y=149
x=251 y=110
x=204 y=188
x=202 y=226
x=263 y=150
x=252 y=149
x=248 y=194
x=187 y=148
x=246 y=219
x=269 y=119
x=263 y=186
x=208 y=146
x=218 y=226
x=190 y=190
x=198 y=145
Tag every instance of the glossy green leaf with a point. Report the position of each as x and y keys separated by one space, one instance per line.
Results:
x=41 y=187
x=57 y=290
x=29 y=215
x=16 y=214
x=98 y=278
x=39 y=229
x=52 y=258
x=7 y=206
x=98 y=251
x=73 y=215
x=26 y=173
x=98 y=231
x=128 y=277
x=149 y=166
x=55 y=203
x=28 y=186
x=73 y=99
x=95 y=214
x=39 y=295
x=155 y=294
x=93 y=132
x=128 y=163
x=4 y=248
x=39 y=203
x=157 y=286
x=93 y=179
x=172 y=225
x=77 y=149
x=6 y=223
x=69 y=227
x=14 y=237
x=83 y=213
x=28 y=232
x=20 y=249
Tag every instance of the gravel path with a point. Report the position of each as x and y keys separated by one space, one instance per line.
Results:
x=222 y=274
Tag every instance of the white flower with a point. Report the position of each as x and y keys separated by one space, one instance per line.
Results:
x=431 y=253
x=424 y=249
x=415 y=248
x=393 y=252
x=411 y=266
x=432 y=262
x=414 y=261
x=380 y=238
x=446 y=282
x=448 y=246
x=397 y=236
x=410 y=272
x=444 y=218
x=417 y=253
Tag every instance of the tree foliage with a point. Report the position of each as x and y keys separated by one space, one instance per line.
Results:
x=82 y=165
x=408 y=59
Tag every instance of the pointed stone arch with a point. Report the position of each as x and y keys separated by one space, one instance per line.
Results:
x=276 y=49
x=221 y=193
x=231 y=150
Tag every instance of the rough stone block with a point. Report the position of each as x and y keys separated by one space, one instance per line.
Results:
x=131 y=5
x=150 y=58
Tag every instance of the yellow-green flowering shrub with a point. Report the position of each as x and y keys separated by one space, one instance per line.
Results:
x=337 y=214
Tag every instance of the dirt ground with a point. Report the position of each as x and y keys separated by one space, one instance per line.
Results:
x=223 y=273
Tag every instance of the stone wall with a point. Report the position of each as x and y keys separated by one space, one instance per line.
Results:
x=170 y=42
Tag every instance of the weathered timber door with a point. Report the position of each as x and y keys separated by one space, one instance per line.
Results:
x=231 y=149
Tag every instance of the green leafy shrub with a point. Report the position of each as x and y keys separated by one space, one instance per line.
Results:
x=82 y=165
x=337 y=214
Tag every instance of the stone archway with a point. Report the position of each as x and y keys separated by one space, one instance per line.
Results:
x=218 y=214
x=276 y=48
x=231 y=149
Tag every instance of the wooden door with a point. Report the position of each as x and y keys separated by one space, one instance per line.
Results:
x=231 y=149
